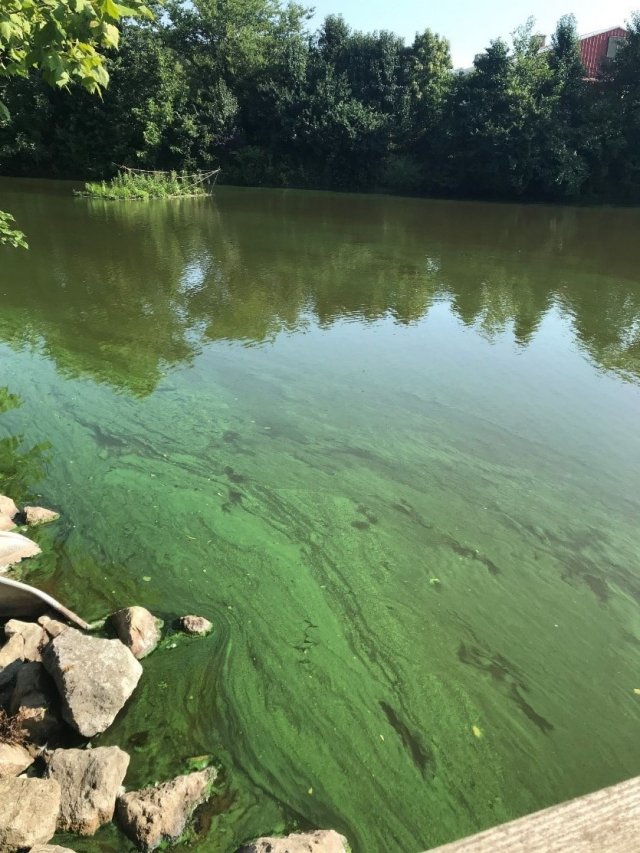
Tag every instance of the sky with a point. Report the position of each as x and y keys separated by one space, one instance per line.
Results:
x=468 y=24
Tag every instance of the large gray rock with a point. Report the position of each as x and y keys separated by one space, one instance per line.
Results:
x=34 y=697
x=138 y=629
x=94 y=677
x=28 y=812
x=14 y=759
x=90 y=780
x=320 y=841
x=15 y=547
x=161 y=813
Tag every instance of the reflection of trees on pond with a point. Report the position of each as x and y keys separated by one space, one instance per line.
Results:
x=122 y=291
x=20 y=467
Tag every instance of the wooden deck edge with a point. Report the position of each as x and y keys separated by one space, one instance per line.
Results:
x=607 y=821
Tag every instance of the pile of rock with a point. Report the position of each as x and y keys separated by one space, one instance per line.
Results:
x=52 y=677
x=56 y=681
x=11 y=516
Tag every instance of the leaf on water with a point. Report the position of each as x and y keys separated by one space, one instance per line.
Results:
x=636 y=690
x=310 y=791
x=146 y=578
x=477 y=732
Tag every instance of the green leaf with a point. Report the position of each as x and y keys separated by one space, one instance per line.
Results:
x=111 y=35
x=10 y=236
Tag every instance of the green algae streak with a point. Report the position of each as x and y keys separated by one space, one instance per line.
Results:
x=389 y=447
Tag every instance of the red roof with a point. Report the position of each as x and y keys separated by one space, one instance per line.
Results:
x=594 y=47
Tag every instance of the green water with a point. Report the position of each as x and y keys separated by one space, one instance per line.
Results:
x=389 y=447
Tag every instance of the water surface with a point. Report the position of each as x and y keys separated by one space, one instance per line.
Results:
x=389 y=447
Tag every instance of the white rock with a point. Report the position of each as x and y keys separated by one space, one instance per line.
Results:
x=29 y=811
x=94 y=677
x=90 y=780
x=320 y=841
x=161 y=813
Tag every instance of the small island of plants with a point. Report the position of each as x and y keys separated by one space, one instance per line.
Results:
x=141 y=185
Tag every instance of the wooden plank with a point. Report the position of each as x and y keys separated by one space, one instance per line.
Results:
x=605 y=822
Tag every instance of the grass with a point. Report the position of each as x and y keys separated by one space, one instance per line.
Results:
x=146 y=185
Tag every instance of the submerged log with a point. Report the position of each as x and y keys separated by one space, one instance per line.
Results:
x=20 y=599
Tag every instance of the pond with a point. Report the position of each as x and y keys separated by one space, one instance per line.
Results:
x=390 y=448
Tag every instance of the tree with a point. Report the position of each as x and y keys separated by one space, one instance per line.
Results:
x=61 y=40
x=621 y=115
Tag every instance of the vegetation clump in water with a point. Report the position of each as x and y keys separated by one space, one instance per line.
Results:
x=141 y=186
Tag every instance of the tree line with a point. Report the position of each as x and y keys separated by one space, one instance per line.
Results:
x=244 y=85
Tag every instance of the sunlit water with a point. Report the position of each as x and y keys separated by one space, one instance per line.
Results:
x=389 y=447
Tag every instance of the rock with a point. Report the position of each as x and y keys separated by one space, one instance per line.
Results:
x=52 y=626
x=34 y=515
x=90 y=780
x=138 y=629
x=161 y=813
x=11 y=659
x=8 y=507
x=320 y=841
x=13 y=760
x=15 y=547
x=6 y=523
x=34 y=697
x=33 y=635
x=195 y=624
x=94 y=677
x=50 y=848
x=28 y=812
x=5 y=696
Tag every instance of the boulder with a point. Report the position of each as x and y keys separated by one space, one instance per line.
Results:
x=29 y=811
x=34 y=697
x=14 y=759
x=90 y=780
x=52 y=626
x=195 y=625
x=138 y=629
x=15 y=547
x=161 y=813
x=320 y=841
x=94 y=677
x=34 y=515
x=50 y=848
x=11 y=659
x=8 y=507
x=34 y=637
x=6 y=523
x=24 y=640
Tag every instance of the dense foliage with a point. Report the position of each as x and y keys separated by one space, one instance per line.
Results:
x=241 y=84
